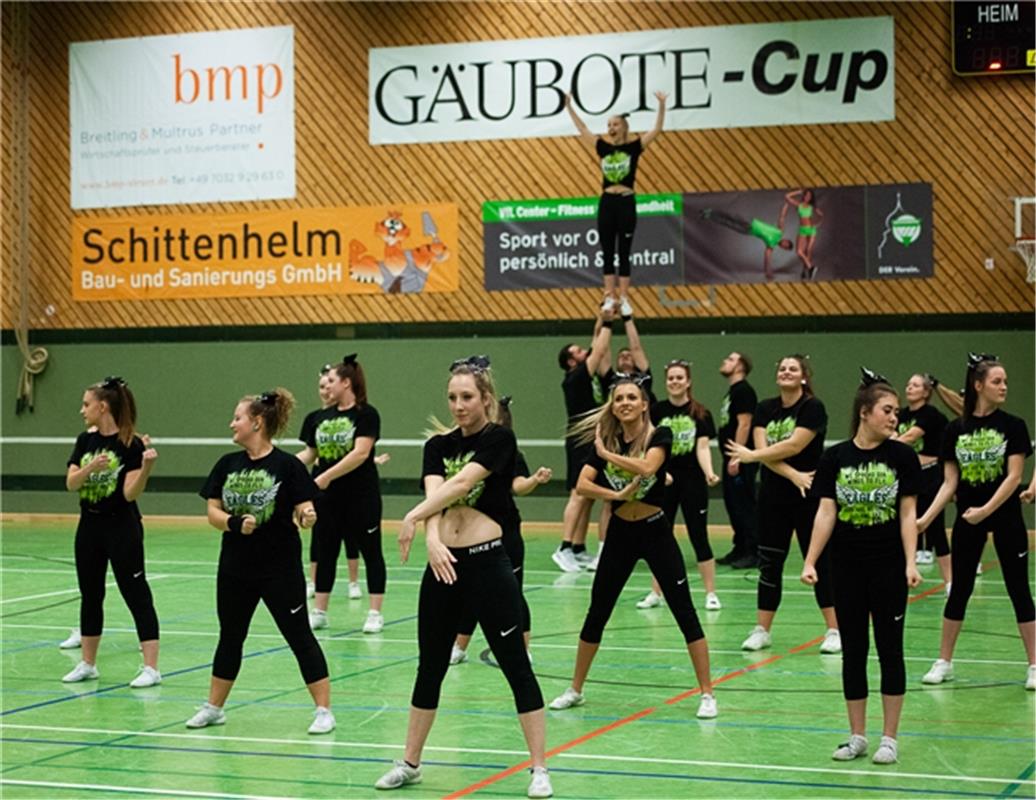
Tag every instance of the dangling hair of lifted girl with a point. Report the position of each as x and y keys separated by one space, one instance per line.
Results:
x=116 y=395
x=273 y=408
x=601 y=421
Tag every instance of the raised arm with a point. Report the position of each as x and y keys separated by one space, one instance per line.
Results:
x=136 y=481
x=649 y=137
x=584 y=132
x=640 y=358
x=601 y=345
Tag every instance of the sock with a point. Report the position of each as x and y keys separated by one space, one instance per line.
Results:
x=412 y=766
x=566 y=545
x=579 y=548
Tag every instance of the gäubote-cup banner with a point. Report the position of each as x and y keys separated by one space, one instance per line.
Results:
x=803 y=233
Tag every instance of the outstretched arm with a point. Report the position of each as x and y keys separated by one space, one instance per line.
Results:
x=640 y=358
x=649 y=137
x=584 y=132
x=601 y=346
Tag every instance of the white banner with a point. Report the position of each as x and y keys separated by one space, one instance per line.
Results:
x=791 y=73
x=191 y=118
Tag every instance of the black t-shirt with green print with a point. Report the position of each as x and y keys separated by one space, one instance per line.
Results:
x=494 y=447
x=683 y=461
x=739 y=399
x=930 y=420
x=102 y=493
x=779 y=423
x=867 y=486
x=980 y=446
x=651 y=489
x=619 y=162
x=333 y=434
x=268 y=488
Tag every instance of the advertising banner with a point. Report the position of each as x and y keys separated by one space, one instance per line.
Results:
x=782 y=73
x=357 y=250
x=189 y=118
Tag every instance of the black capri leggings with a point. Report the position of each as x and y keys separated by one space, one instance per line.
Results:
x=650 y=539
x=866 y=588
x=1012 y=549
x=777 y=521
x=117 y=538
x=237 y=597
x=485 y=583
x=358 y=523
x=616 y=221
x=692 y=497
x=935 y=535
x=515 y=549
x=351 y=550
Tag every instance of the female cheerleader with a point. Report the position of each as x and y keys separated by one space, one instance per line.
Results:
x=109 y=468
x=467 y=477
x=342 y=445
x=788 y=431
x=617 y=212
x=691 y=467
x=983 y=456
x=631 y=454
x=868 y=495
x=259 y=496
x=804 y=202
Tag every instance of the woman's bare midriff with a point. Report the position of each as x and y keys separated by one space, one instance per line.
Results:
x=634 y=510
x=926 y=460
x=463 y=527
x=618 y=189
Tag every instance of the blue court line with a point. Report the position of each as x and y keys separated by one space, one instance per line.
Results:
x=1011 y=788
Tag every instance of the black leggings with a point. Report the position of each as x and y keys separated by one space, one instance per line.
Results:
x=1012 y=549
x=931 y=480
x=237 y=597
x=616 y=221
x=351 y=550
x=117 y=538
x=777 y=520
x=358 y=523
x=692 y=497
x=515 y=549
x=871 y=588
x=485 y=583
x=650 y=539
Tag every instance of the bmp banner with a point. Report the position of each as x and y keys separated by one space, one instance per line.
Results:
x=788 y=73
x=359 y=250
x=199 y=117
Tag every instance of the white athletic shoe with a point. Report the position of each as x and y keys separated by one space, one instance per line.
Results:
x=317 y=619
x=311 y=590
x=567 y=699
x=941 y=672
x=82 y=672
x=73 y=641
x=707 y=707
x=401 y=774
x=149 y=676
x=758 y=639
x=608 y=304
x=832 y=642
x=854 y=748
x=978 y=568
x=375 y=622
x=323 y=720
x=539 y=786
x=712 y=602
x=207 y=715
x=583 y=558
x=1030 y=678
x=625 y=307
x=651 y=600
x=592 y=564
x=458 y=656
x=887 y=752
x=355 y=592
x=566 y=560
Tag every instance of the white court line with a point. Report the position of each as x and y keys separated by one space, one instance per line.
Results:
x=138 y=790
x=108 y=585
x=573 y=756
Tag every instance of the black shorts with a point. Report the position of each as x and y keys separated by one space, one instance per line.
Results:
x=576 y=456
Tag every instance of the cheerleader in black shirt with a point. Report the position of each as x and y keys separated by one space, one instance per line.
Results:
x=467 y=477
x=983 y=456
x=868 y=496
x=109 y=468
x=628 y=470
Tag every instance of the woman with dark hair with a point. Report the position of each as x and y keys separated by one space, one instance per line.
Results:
x=628 y=470
x=109 y=468
x=868 y=496
x=617 y=212
x=467 y=475
x=341 y=443
x=983 y=456
x=788 y=432
x=804 y=203
x=259 y=497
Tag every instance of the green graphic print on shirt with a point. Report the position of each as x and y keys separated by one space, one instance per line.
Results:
x=778 y=430
x=724 y=412
x=616 y=166
x=866 y=494
x=335 y=438
x=981 y=455
x=619 y=479
x=251 y=491
x=684 y=433
x=455 y=465
x=100 y=485
x=918 y=445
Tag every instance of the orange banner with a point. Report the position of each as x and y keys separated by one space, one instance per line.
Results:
x=390 y=249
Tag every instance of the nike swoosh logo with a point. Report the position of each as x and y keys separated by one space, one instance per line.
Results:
x=1023 y=554
x=509 y=631
x=138 y=574
x=516 y=570
x=897 y=619
x=681 y=582
x=297 y=610
x=373 y=530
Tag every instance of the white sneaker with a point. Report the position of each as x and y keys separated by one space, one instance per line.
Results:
x=401 y=774
x=375 y=622
x=712 y=602
x=608 y=304
x=978 y=568
x=887 y=752
x=583 y=558
x=540 y=786
x=948 y=585
x=651 y=600
x=940 y=672
x=592 y=565
x=566 y=560
x=854 y=748
x=707 y=707
x=149 y=676
x=317 y=619
x=207 y=715
x=567 y=699
x=1030 y=678
x=355 y=592
x=832 y=642
x=923 y=557
x=82 y=672
x=311 y=590
x=625 y=307
x=758 y=639
x=73 y=641
x=458 y=656
x=323 y=721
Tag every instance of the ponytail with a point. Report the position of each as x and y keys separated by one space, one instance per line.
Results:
x=116 y=394
x=274 y=408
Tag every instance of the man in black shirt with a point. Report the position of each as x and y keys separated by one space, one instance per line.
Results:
x=735 y=418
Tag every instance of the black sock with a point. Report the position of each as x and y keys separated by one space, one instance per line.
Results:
x=566 y=545
x=412 y=766
x=579 y=548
